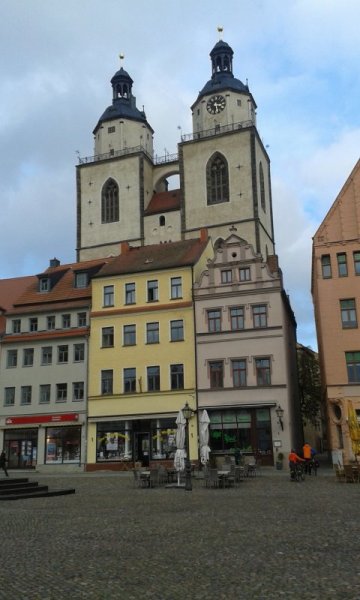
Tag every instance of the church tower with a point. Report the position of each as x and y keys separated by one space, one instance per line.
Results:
x=224 y=166
x=113 y=185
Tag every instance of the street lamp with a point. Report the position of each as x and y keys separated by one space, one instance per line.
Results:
x=280 y=413
x=188 y=412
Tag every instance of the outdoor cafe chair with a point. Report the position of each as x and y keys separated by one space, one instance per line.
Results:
x=154 y=478
x=211 y=478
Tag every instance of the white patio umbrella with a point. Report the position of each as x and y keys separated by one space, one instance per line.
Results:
x=179 y=459
x=204 y=437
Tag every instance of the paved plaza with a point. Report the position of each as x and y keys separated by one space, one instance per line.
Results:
x=267 y=539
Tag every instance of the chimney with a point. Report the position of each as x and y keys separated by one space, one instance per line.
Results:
x=54 y=262
x=124 y=247
x=204 y=235
x=273 y=263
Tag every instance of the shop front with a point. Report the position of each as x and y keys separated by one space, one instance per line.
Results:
x=44 y=440
x=246 y=429
x=122 y=443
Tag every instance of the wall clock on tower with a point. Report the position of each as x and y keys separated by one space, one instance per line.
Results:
x=216 y=104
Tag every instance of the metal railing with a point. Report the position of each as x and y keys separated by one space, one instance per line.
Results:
x=190 y=137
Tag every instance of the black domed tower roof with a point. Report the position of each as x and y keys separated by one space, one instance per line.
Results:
x=222 y=77
x=124 y=103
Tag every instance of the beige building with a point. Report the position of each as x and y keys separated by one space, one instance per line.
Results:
x=246 y=357
x=336 y=296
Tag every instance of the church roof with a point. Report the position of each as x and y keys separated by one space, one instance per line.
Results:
x=155 y=257
x=164 y=202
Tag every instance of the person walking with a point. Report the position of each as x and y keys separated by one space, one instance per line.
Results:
x=3 y=463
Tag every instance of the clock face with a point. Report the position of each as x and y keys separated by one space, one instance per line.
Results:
x=216 y=104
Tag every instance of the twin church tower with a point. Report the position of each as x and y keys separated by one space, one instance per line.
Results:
x=223 y=169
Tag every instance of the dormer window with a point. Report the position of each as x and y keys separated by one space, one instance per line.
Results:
x=81 y=280
x=44 y=284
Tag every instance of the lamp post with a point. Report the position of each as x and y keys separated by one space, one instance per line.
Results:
x=188 y=413
x=280 y=413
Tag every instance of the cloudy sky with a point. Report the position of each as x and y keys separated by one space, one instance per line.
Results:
x=301 y=60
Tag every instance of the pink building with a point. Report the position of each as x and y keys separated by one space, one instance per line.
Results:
x=336 y=296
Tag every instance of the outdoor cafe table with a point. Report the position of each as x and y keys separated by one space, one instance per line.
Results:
x=223 y=475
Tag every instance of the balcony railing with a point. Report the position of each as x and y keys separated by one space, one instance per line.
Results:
x=157 y=160
x=190 y=137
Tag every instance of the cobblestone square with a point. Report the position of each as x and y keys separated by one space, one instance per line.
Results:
x=267 y=539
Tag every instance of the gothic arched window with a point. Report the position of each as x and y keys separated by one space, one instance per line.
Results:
x=110 y=202
x=262 y=187
x=217 y=179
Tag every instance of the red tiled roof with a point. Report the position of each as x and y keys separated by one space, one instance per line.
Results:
x=155 y=257
x=10 y=290
x=63 y=290
x=164 y=202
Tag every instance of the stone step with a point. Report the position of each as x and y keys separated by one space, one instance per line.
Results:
x=23 y=488
x=6 y=480
x=37 y=494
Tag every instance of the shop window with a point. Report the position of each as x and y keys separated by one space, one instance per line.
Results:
x=63 y=445
x=114 y=441
x=163 y=439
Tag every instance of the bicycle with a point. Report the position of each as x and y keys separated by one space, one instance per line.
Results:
x=297 y=472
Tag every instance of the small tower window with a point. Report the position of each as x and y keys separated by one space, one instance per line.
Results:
x=162 y=221
x=262 y=187
x=217 y=179
x=110 y=202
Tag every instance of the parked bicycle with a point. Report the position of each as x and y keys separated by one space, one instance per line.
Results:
x=297 y=472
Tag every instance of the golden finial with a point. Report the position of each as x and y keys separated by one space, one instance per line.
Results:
x=220 y=30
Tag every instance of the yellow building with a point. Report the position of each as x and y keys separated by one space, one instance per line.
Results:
x=142 y=363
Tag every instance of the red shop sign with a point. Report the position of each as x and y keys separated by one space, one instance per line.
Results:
x=42 y=419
